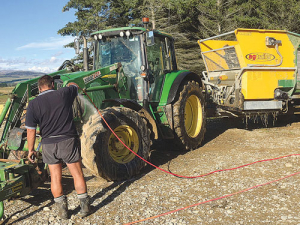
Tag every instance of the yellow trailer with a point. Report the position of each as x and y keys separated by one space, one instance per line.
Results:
x=251 y=71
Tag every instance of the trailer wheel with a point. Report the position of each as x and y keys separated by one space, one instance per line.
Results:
x=104 y=155
x=189 y=116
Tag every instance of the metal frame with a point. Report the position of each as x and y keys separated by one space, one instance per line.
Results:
x=217 y=36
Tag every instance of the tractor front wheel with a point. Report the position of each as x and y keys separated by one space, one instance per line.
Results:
x=104 y=155
x=189 y=116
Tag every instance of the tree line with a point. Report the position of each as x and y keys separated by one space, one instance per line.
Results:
x=186 y=20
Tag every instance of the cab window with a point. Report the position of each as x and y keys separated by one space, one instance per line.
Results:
x=159 y=58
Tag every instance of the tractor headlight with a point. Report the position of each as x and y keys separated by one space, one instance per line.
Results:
x=95 y=37
x=127 y=33
x=122 y=34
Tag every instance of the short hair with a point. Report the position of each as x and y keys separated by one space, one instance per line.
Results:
x=45 y=80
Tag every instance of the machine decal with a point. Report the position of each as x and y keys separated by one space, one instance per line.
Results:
x=114 y=67
x=260 y=57
x=17 y=187
x=92 y=77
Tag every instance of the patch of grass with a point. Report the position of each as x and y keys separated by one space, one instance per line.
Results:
x=3 y=99
x=6 y=90
x=4 y=94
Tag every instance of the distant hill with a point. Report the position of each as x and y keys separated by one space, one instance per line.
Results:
x=20 y=73
x=10 y=77
x=6 y=71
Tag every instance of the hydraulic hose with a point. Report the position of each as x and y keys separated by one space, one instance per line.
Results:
x=214 y=199
x=174 y=174
x=191 y=177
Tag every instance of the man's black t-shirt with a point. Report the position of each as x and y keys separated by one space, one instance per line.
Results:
x=52 y=111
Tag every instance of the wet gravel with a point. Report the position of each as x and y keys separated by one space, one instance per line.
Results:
x=227 y=144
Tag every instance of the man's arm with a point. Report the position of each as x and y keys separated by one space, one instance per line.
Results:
x=31 y=141
x=74 y=88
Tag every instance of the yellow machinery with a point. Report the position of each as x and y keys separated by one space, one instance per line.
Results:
x=252 y=72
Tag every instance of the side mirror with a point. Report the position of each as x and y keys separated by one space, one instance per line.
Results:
x=76 y=46
x=150 y=38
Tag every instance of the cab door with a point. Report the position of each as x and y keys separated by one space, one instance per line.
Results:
x=160 y=62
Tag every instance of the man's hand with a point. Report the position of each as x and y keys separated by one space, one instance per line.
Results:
x=72 y=83
x=32 y=156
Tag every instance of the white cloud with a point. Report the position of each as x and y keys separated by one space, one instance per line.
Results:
x=43 y=65
x=51 y=62
x=41 y=69
x=37 y=59
x=53 y=59
x=16 y=61
x=49 y=44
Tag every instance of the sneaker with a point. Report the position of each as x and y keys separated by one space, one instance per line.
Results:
x=85 y=206
x=62 y=208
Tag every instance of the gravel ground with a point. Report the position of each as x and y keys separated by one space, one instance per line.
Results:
x=227 y=144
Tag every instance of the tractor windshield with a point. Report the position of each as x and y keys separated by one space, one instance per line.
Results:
x=125 y=50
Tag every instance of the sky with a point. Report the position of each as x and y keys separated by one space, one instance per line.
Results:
x=28 y=35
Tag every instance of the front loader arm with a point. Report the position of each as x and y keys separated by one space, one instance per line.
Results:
x=13 y=114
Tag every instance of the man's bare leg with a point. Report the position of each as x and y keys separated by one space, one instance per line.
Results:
x=77 y=174
x=57 y=190
x=56 y=176
x=80 y=187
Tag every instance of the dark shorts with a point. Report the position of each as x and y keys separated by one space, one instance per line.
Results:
x=67 y=151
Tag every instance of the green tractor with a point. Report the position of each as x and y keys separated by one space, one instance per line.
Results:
x=136 y=85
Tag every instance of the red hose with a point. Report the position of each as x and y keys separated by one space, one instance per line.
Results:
x=177 y=175
x=211 y=200
x=191 y=177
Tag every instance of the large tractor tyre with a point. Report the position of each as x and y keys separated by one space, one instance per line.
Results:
x=104 y=155
x=189 y=116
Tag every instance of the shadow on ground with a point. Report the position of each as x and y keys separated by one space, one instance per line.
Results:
x=41 y=195
x=161 y=153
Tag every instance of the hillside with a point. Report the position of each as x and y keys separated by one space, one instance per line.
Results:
x=10 y=77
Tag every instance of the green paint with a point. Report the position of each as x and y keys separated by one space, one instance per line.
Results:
x=15 y=180
x=96 y=82
x=5 y=109
x=141 y=29
x=163 y=123
x=286 y=83
x=119 y=29
x=97 y=88
x=1 y=209
x=169 y=80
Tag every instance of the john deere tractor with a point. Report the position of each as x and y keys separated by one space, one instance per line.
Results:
x=137 y=87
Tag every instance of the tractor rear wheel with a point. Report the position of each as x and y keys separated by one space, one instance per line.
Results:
x=189 y=116
x=104 y=155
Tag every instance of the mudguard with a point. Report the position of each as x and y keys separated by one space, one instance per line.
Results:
x=172 y=83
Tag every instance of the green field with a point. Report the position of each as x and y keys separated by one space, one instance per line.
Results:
x=4 y=93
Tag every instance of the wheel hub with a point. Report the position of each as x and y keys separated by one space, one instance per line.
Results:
x=193 y=116
x=117 y=150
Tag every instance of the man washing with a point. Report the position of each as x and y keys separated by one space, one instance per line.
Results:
x=52 y=111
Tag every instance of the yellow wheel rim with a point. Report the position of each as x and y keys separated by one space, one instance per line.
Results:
x=193 y=116
x=117 y=150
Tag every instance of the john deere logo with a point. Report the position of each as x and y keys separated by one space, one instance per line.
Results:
x=260 y=57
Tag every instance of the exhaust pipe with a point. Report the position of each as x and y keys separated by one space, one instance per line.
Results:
x=85 y=55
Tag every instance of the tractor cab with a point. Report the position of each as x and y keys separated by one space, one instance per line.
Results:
x=146 y=56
